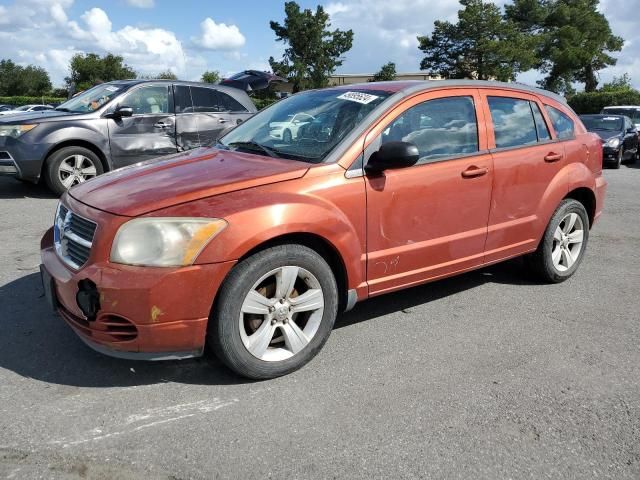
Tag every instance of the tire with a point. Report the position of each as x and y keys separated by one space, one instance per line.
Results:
x=286 y=136
x=277 y=347
x=619 y=159
x=78 y=164
x=559 y=233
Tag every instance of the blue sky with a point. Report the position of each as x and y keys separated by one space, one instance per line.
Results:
x=192 y=36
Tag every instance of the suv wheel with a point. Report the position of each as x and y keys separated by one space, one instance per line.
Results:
x=69 y=166
x=563 y=244
x=274 y=312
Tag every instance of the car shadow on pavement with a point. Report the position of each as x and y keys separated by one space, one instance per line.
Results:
x=36 y=343
x=12 y=188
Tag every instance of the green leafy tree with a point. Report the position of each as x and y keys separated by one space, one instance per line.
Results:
x=313 y=50
x=618 y=84
x=16 y=80
x=211 y=76
x=87 y=70
x=386 y=73
x=481 y=45
x=167 y=75
x=572 y=40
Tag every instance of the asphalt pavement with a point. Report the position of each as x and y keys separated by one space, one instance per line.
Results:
x=486 y=375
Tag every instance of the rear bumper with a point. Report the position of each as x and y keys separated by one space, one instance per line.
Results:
x=601 y=191
x=144 y=313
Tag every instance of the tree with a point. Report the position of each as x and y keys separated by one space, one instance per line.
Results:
x=211 y=76
x=571 y=39
x=618 y=84
x=481 y=45
x=167 y=75
x=18 y=80
x=313 y=51
x=386 y=73
x=87 y=70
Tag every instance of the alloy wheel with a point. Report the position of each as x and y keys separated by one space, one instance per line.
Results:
x=281 y=313
x=567 y=242
x=76 y=169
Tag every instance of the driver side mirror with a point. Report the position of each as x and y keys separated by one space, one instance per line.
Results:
x=392 y=155
x=121 y=111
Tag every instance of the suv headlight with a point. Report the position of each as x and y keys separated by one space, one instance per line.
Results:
x=613 y=142
x=164 y=242
x=15 y=131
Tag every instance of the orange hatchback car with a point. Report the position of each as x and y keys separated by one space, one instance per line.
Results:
x=251 y=247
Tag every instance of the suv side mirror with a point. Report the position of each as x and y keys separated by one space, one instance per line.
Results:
x=121 y=111
x=392 y=155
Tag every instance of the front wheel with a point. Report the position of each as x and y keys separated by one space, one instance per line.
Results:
x=563 y=244
x=619 y=159
x=274 y=312
x=69 y=166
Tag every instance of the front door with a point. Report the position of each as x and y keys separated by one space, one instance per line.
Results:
x=429 y=220
x=150 y=132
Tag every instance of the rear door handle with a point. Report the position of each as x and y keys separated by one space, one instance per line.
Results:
x=552 y=157
x=474 y=171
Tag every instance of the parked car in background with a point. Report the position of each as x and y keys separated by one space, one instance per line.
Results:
x=253 y=246
x=619 y=137
x=287 y=130
x=633 y=112
x=26 y=108
x=116 y=124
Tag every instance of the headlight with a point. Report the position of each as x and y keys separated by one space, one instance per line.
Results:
x=164 y=242
x=15 y=130
x=613 y=142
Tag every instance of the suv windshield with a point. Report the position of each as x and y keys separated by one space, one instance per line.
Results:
x=602 y=123
x=306 y=126
x=91 y=99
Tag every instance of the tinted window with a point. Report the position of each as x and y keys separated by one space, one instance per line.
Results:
x=230 y=104
x=603 y=122
x=541 y=125
x=632 y=113
x=148 y=100
x=205 y=100
x=182 y=96
x=562 y=124
x=439 y=128
x=513 y=122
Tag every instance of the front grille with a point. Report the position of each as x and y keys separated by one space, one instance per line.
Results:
x=73 y=237
x=5 y=156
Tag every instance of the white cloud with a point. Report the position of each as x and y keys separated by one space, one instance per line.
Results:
x=141 y=3
x=219 y=36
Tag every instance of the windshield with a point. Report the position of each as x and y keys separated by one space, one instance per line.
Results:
x=603 y=123
x=306 y=126
x=24 y=108
x=632 y=113
x=91 y=99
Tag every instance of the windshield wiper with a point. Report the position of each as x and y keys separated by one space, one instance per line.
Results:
x=254 y=146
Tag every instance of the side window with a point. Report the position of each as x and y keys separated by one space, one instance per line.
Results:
x=562 y=124
x=230 y=104
x=182 y=98
x=205 y=100
x=513 y=122
x=148 y=100
x=541 y=125
x=440 y=128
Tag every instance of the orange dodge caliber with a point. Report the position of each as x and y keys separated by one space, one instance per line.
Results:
x=251 y=247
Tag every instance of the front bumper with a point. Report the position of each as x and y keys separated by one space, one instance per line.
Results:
x=610 y=154
x=21 y=158
x=144 y=313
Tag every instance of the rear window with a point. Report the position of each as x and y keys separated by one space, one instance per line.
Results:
x=562 y=124
x=230 y=104
x=205 y=100
x=513 y=122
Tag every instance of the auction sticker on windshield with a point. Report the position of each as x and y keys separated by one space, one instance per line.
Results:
x=359 y=97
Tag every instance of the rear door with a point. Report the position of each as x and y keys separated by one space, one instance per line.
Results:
x=526 y=159
x=210 y=115
x=150 y=132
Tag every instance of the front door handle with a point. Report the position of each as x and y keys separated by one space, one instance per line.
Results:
x=552 y=157
x=222 y=120
x=161 y=125
x=474 y=171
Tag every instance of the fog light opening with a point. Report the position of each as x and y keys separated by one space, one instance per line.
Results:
x=88 y=299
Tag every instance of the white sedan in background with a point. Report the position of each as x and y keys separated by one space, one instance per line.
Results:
x=27 y=108
x=288 y=130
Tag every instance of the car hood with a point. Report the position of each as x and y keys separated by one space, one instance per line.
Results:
x=25 y=117
x=606 y=134
x=180 y=178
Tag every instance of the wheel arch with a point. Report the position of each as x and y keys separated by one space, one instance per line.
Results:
x=587 y=198
x=106 y=164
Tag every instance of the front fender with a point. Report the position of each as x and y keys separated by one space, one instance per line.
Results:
x=94 y=132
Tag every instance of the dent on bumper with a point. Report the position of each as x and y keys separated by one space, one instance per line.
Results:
x=145 y=313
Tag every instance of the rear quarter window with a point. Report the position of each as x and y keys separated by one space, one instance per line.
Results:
x=562 y=123
x=513 y=122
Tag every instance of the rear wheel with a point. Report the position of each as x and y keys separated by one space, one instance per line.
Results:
x=274 y=312
x=563 y=244
x=70 y=166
